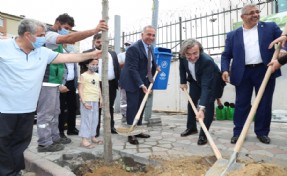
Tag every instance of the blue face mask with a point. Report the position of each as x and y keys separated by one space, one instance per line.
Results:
x=40 y=41
x=63 y=31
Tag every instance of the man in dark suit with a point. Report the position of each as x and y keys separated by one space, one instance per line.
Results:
x=134 y=76
x=113 y=77
x=203 y=76
x=248 y=47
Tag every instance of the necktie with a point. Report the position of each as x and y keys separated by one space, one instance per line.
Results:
x=149 y=75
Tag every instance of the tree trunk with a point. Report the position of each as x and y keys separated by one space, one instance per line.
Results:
x=108 y=156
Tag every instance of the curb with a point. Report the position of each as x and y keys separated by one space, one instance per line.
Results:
x=44 y=167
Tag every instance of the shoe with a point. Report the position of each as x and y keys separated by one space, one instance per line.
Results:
x=264 y=139
x=73 y=132
x=62 y=135
x=202 y=140
x=63 y=140
x=114 y=131
x=50 y=148
x=234 y=139
x=188 y=132
x=142 y=135
x=133 y=140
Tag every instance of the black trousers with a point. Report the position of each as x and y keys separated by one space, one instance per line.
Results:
x=15 y=137
x=112 y=97
x=68 y=105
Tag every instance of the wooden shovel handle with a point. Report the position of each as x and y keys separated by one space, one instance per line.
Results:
x=256 y=102
x=209 y=138
x=137 y=117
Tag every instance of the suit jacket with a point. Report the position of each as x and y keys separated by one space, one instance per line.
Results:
x=234 y=49
x=116 y=64
x=75 y=75
x=134 y=72
x=208 y=77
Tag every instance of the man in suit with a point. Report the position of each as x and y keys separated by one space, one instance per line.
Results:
x=203 y=75
x=113 y=77
x=134 y=76
x=248 y=47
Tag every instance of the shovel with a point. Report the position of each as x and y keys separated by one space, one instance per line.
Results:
x=207 y=134
x=132 y=131
x=222 y=167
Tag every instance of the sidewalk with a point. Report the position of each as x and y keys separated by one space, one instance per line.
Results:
x=165 y=140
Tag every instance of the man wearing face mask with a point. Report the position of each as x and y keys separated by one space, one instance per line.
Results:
x=113 y=76
x=123 y=98
x=23 y=61
x=48 y=108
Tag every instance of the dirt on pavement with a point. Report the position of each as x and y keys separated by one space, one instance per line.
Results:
x=172 y=166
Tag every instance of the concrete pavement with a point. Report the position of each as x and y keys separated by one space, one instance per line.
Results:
x=165 y=140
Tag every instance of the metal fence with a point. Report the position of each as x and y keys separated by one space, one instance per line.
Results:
x=210 y=29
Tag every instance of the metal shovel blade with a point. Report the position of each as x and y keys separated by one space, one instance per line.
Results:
x=222 y=166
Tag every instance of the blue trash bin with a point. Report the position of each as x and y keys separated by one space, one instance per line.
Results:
x=162 y=58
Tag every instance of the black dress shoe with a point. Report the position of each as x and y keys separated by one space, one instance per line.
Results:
x=234 y=139
x=188 y=132
x=264 y=139
x=202 y=140
x=133 y=140
x=142 y=135
x=114 y=131
x=73 y=132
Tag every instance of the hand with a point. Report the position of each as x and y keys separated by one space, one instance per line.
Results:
x=96 y=54
x=219 y=103
x=225 y=76
x=88 y=106
x=101 y=103
x=145 y=90
x=183 y=87
x=281 y=39
x=282 y=53
x=274 y=64
x=200 y=115
x=102 y=26
x=158 y=69
x=63 y=89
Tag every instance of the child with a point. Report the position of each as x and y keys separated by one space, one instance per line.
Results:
x=90 y=96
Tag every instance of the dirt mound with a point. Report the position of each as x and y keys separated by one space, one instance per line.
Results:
x=260 y=169
x=187 y=166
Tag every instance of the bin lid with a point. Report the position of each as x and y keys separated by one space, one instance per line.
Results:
x=160 y=50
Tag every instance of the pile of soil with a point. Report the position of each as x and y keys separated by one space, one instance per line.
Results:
x=187 y=166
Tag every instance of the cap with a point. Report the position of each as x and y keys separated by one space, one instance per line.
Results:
x=128 y=42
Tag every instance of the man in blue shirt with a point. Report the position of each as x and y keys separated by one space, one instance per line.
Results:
x=23 y=61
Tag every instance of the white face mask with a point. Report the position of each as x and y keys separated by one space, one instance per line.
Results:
x=93 y=68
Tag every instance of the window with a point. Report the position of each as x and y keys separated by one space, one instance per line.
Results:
x=282 y=5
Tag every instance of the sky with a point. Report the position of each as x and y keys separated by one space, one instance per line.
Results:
x=134 y=14
x=87 y=13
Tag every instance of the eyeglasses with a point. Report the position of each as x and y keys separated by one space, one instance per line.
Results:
x=253 y=12
x=93 y=82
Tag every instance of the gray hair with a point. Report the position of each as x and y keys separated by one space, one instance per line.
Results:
x=247 y=6
x=189 y=43
x=148 y=26
x=29 y=25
